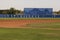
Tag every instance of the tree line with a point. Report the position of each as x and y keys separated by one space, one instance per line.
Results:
x=11 y=11
x=57 y=12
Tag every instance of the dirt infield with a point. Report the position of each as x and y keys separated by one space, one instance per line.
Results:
x=22 y=23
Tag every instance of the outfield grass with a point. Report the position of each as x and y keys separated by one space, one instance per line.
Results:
x=29 y=34
x=44 y=25
x=39 y=31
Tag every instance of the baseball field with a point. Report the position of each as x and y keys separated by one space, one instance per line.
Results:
x=30 y=29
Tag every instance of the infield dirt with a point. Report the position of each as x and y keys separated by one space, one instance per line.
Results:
x=22 y=23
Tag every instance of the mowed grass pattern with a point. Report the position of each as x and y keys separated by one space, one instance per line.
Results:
x=29 y=34
x=44 y=25
x=35 y=31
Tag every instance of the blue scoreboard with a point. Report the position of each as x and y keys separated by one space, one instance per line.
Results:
x=38 y=11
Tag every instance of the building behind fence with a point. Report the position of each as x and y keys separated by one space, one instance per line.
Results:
x=33 y=13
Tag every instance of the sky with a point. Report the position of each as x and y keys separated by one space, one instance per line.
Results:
x=21 y=4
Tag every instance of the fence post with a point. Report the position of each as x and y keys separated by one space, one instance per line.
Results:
x=38 y=16
x=54 y=15
x=32 y=16
x=11 y=16
x=14 y=16
x=21 y=16
x=29 y=16
x=7 y=16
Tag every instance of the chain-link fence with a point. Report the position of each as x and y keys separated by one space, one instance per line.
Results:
x=28 y=16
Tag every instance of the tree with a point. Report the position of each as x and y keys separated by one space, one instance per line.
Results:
x=56 y=12
x=5 y=12
x=12 y=11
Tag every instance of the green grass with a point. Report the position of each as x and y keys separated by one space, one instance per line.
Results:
x=44 y=25
x=28 y=34
x=36 y=32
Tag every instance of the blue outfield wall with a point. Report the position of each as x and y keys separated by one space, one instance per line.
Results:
x=38 y=11
x=33 y=13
